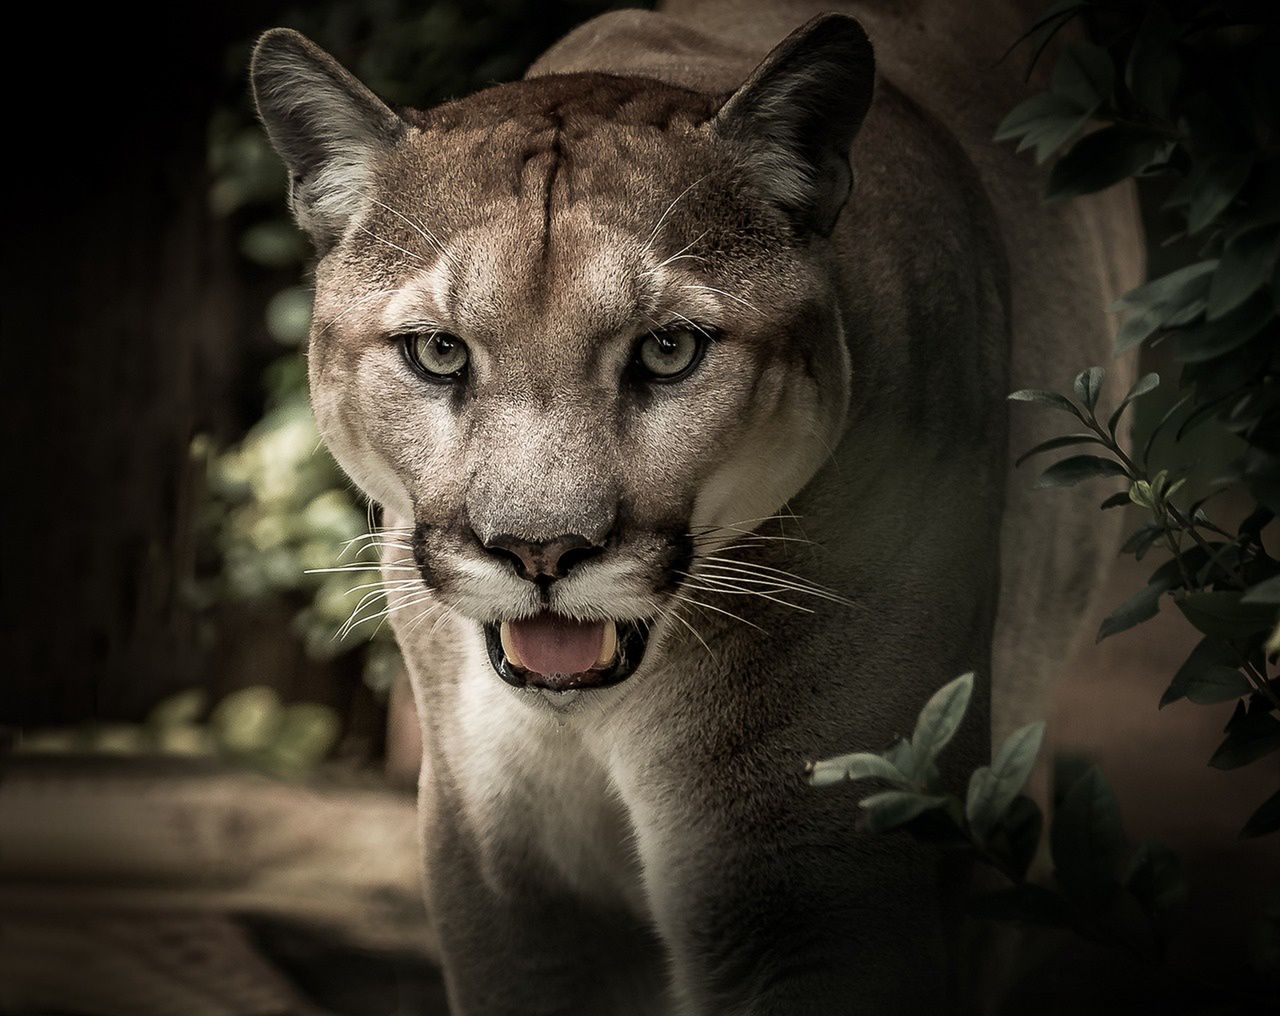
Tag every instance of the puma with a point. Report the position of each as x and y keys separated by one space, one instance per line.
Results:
x=679 y=370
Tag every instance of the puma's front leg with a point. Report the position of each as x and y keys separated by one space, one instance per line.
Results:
x=770 y=901
x=516 y=940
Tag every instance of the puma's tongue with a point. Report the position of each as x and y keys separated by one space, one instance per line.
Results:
x=550 y=644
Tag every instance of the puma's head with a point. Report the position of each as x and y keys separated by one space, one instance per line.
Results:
x=574 y=326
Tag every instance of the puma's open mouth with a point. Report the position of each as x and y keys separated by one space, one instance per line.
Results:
x=561 y=654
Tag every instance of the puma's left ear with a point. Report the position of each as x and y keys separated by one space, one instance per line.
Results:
x=329 y=129
x=799 y=111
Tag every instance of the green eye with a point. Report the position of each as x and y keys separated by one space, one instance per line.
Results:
x=669 y=355
x=437 y=356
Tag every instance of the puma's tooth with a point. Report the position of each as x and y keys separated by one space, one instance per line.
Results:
x=608 y=644
x=508 y=644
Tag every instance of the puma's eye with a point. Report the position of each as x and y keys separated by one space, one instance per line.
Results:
x=669 y=355
x=437 y=356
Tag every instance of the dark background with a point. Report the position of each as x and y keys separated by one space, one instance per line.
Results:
x=129 y=326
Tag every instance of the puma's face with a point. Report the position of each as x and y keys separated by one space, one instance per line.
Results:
x=574 y=328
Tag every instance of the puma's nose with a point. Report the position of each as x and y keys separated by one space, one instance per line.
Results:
x=543 y=562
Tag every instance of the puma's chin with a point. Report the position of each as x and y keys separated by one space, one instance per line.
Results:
x=561 y=654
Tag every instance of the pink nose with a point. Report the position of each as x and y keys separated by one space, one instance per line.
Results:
x=543 y=561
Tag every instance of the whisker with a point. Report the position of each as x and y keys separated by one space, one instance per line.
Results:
x=678 y=198
x=718 y=610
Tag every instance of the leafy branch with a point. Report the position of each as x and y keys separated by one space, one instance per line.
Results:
x=1098 y=887
x=1182 y=97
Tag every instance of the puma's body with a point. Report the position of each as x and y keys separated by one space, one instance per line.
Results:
x=652 y=846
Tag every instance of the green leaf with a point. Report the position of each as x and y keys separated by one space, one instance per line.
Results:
x=1104 y=158
x=1057 y=442
x=1246 y=265
x=860 y=765
x=1077 y=469
x=1087 y=841
x=1222 y=613
x=1117 y=500
x=1171 y=300
x=1146 y=383
x=1213 y=185
x=939 y=720
x=1265 y=820
x=1156 y=879
x=1207 y=340
x=1047 y=399
x=1204 y=669
x=1016 y=838
x=1252 y=733
x=893 y=808
x=1044 y=122
x=993 y=788
x=1154 y=68
x=1084 y=75
x=1088 y=386
x=1141 y=606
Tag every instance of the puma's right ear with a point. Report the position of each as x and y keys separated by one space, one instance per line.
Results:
x=329 y=129
x=799 y=111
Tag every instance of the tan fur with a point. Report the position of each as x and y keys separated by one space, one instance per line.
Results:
x=652 y=847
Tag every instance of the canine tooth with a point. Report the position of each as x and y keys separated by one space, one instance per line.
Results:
x=608 y=645
x=508 y=646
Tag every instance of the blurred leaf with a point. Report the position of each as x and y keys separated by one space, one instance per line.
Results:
x=1207 y=340
x=1267 y=591
x=274 y=245
x=289 y=315
x=1077 y=469
x=893 y=808
x=247 y=720
x=1265 y=820
x=183 y=708
x=1118 y=500
x=939 y=720
x=1154 y=68
x=993 y=788
x=306 y=733
x=1173 y=299
x=1213 y=185
x=1025 y=903
x=1156 y=879
x=1104 y=158
x=1247 y=263
x=1044 y=122
x=1087 y=842
x=1252 y=733
x=1084 y=75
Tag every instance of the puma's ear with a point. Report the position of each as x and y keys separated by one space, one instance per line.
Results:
x=327 y=127
x=799 y=111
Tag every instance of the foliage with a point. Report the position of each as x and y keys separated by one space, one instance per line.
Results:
x=279 y=506
x=250 y=727
x=1098 y=887
x=1185 y=96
